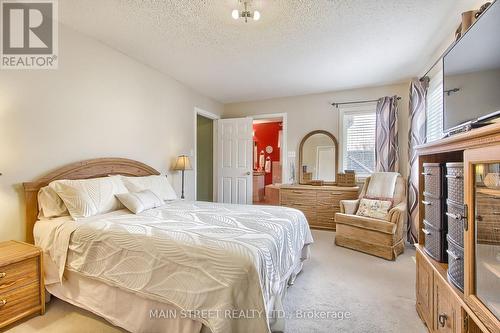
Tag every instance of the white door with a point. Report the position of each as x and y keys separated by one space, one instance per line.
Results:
x=235 y=163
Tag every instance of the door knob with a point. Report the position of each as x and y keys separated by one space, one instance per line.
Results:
x=248 y=173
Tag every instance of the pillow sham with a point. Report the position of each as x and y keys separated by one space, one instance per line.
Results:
x=138 y=202
x=89 y=197
x=50 y=205
x=159 y=185
x=377 y=209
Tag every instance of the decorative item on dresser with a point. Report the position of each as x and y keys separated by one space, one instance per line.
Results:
x=21 y=282
x=441 y=305
x=318 y=203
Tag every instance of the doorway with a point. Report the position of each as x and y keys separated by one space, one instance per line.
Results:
x=204 y=164
x=268 y=158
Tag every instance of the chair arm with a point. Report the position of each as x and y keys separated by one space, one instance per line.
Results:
x=349 y=206
x=397 y=213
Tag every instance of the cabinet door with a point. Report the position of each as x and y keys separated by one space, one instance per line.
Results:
x=482 y=237
x=447 y=312
x=424 y=290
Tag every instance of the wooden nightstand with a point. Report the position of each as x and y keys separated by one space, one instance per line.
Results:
x=21 y=282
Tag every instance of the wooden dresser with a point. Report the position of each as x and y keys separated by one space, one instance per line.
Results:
x=21 y=282
x=318 y=203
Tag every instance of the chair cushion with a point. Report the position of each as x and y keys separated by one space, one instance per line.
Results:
x=366 y=223
x=377 y=209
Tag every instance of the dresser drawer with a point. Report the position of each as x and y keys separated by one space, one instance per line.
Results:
x=334 y=197
x=19 y=301
x=18 y=274
x=298 y=196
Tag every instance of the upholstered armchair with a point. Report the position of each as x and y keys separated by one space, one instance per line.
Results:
x=380 y=237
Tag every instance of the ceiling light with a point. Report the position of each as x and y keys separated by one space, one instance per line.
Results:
x=235 y=14
x=245 y=13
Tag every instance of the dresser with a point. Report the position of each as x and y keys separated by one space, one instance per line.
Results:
x=318 y=203
x=21 y=282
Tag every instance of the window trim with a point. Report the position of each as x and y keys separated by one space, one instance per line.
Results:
x=357 y=109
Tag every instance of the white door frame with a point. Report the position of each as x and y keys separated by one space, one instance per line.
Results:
x=213 y=116
x=284 y=141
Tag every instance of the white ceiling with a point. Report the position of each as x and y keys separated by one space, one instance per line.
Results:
x=298 y=46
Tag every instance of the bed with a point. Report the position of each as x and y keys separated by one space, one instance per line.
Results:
x=182 y=267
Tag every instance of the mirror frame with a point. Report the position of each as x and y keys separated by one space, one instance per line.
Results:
x=301 y=146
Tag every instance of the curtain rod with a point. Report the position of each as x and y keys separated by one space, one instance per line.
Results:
x=357 y=102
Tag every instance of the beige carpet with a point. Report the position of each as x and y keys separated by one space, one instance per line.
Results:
x=378 y=294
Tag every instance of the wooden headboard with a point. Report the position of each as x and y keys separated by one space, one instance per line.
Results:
x=99 y=167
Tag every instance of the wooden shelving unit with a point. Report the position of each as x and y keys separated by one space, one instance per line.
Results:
x=442 y=306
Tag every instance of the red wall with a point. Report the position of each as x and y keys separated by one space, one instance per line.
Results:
x=267 y=134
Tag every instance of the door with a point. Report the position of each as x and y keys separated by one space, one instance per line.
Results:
x=204 y=158
x=235 y=165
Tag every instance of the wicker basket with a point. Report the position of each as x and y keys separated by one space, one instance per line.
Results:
x=435 y=243
x=346 y=179
x=456 y=220
x=455 y=264
x=455 y=180
x=434 y=180
x=434 y=212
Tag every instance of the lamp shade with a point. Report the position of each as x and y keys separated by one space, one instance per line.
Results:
x=182 y=163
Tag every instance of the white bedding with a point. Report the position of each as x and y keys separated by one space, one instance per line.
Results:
x=207 y=259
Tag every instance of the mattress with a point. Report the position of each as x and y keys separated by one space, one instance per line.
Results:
x=225 y=266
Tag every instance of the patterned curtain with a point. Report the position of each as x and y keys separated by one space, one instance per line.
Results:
x=416 y=136
x=386 y=137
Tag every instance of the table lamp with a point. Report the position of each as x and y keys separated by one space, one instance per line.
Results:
x=182 y=164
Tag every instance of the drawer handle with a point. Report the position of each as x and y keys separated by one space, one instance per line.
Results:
x=442 y=319
x=427 y=203
x=454 y=216
x=453 y=176
x=425 y=231
x=452 y=254
x=2 y=275
x=297 y=192
x=426 y=174
x=332 y=218
x=3 y=302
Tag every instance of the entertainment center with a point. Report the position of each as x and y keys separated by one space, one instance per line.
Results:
x=458 y=250
x=441 y=305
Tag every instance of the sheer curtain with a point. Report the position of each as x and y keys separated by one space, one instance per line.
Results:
x=386 y=137
x=416 y=136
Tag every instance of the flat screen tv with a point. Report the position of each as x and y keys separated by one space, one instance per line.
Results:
x=472 y=74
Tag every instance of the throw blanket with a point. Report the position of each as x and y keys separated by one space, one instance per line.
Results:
x=382 y=185
x=225 y=265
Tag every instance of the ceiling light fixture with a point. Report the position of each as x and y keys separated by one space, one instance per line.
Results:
x=246 y=13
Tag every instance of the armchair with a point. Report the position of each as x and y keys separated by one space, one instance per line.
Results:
x=378 y=237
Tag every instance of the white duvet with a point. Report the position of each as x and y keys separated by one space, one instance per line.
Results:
x=225 y=265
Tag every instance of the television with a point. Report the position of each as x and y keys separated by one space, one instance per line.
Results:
x=471 y=75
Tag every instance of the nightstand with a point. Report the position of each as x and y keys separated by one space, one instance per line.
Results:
x=21 y=282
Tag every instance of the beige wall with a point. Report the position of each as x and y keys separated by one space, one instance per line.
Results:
x=312 y=112
x=99 y=103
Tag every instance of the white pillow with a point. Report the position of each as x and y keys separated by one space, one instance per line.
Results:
x=159 y=185
x=377 y=209
x=137 y=202
x=50 y=205
x=89 y=197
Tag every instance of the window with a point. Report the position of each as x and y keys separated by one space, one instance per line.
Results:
x=434 y=106
x=358 y=138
